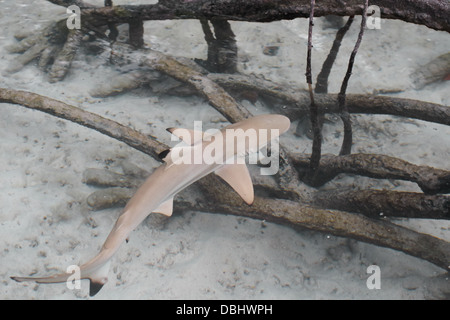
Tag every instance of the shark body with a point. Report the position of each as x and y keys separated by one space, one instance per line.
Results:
x=157 y=192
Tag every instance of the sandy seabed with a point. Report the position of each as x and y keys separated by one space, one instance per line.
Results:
x=45 y=223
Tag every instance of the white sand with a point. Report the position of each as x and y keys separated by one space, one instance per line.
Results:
x=45 y=223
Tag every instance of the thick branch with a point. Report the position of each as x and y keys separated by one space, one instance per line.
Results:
x=80 y=3
x=343 y=109
x=222 y=47
x=322 y=77
x=385 y=203
x=433 y=14
x=430 y=180
x=62 y=110
x=313 y=108
x=216 y=96
x=298 y=102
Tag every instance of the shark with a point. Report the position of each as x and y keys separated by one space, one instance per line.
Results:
x=180 y=169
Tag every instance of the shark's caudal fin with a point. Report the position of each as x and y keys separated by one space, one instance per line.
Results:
x=96 y=271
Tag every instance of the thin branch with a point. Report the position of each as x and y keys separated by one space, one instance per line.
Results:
x=322 y=77
x=80 y=3
x=290 y=102
x=63 y=60
x=216 y=96
x=222 y=48
x=313 y=109
x=345 y=116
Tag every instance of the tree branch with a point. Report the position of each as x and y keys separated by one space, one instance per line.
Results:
x=433 y=14
x=385 y=203
x=343 y=109
x=296 y=103
x=430 y=180
x=87 y=119
x=313 y=109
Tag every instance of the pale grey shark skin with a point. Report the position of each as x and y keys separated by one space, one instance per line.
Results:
x=157 y=192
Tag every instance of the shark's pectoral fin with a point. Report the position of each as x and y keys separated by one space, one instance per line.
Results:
x=238 y=177
x=165 y=208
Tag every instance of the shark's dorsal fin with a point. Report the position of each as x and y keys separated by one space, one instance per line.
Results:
x=189 y=136
x=165 y=208
x=238 y=177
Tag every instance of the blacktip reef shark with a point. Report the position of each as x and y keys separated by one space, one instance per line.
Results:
x=157 y=192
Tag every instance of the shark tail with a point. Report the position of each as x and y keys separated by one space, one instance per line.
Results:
x=96 y=271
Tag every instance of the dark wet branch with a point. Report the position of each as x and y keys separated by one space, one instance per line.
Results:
x=433 y=14
x=222 y=47
x=136 y=33
x=322 y=77
x=219 y=99
x=339 y=223
x=87 y=119
x=385 y=203
x=308 y=54
x=343 y=109
x=294 y=103
x=313 y=108
x=429 y=179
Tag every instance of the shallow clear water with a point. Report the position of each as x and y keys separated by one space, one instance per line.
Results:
x=45 y=222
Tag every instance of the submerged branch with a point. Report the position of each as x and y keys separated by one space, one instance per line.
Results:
x=87 y=119
x=433 y=14
x=386 y=203
x=429 y=179
x=294 y=103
